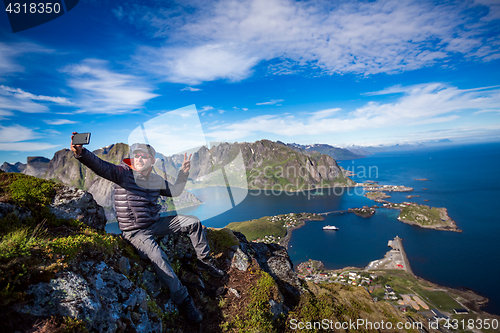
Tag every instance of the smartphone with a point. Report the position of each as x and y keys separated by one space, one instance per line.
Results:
x=81 y=139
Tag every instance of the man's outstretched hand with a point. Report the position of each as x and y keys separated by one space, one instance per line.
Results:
x=186 y=165
x=78 y=149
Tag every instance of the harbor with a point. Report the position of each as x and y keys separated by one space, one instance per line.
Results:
x=394 y=259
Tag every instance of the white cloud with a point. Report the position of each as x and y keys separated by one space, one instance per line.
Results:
x=190 y=89
x=324 y=113
x=12 y=51
x=59 y=122
x=206 y=108
x=271 y=102
x=171 y=132
x=462 y=133
x=203 y=63
x=420 y=104
x=101 y=90
x=26 y=146
x=13 y=138
x=11 y=102
x=226 y=39
x=21 y=94
x=16 y=99
x=16 y=133
x=487 y=111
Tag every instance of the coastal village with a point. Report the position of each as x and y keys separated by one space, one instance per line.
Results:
x=288 y=222
x=391 y=280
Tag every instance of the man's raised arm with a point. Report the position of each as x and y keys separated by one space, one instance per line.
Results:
x=102 y=168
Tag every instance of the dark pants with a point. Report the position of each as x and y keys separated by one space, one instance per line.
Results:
x=143 y=240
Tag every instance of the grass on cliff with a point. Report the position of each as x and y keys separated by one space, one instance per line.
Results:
x=220 y=240
x=339 y=304
x=258 y=228
x=251 y=310
x=24 y=190
x=258 y=316
x=421 y=214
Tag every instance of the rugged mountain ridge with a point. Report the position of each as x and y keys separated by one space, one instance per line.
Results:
x=267 y=165
x=263 y=164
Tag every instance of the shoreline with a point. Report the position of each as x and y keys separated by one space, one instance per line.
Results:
x=288 y=235
x=465 y=297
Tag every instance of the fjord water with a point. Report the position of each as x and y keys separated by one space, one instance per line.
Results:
x=463 y=179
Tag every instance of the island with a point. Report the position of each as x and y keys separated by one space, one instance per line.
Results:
x=365 y=211
x=377 y=196
x=424 y=216
x=273 y=229
x=387 y=188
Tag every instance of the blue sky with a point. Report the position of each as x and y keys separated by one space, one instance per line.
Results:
x=335 y=72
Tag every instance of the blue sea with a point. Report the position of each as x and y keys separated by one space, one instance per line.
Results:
x=463 y=179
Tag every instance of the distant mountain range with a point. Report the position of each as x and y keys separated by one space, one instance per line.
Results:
x=338 y=154
x=367 y=150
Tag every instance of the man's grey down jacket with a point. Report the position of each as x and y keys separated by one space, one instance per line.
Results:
x=135 y=195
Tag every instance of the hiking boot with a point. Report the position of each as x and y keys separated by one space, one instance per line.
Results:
x=208 y=265
x=190 y=311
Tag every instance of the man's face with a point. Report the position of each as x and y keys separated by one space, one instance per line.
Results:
x=142 y=161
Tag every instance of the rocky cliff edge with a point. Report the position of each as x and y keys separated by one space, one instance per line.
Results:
x=68 y=274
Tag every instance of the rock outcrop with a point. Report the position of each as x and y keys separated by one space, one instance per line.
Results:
x=105 y=300
x=73 y=203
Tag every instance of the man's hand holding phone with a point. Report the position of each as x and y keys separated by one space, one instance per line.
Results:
x=77 y=142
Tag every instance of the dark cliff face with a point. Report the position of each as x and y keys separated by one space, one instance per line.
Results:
x=270 y=163
x=64 y=168
x=36 y=166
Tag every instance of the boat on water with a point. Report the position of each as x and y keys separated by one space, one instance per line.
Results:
x=330 y=227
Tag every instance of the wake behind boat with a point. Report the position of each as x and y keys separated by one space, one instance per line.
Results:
x=330 y=227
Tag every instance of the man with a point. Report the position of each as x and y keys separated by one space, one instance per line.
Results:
x=136 y=194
